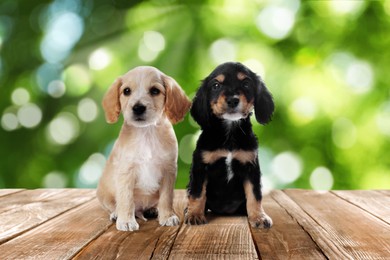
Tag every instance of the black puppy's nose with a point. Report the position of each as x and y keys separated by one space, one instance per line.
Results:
x=138 y=109
x=232 y=102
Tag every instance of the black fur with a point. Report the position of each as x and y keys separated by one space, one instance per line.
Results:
x=227 y=197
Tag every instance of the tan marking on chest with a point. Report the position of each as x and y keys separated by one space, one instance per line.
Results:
x=210 y=157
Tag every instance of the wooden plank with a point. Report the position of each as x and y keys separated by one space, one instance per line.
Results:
x=316 y=232
x=16 y=200
x=374 y=202
x=61 y=237
x=224 y=237
x=286 y=239
x=150 y=241
x=25 y=210
x=355 y=233
x=4 y=192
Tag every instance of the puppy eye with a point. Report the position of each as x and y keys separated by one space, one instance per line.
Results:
x=127 y=91
x=216 y=86
x=246 y=84
x=154 y=91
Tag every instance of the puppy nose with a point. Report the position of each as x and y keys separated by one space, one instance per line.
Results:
x=138 y=109
x=232 y=102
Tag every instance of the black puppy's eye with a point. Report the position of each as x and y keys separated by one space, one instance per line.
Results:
x=216 y=86
x=127 y=91
x=154 y=91
x=246 y=84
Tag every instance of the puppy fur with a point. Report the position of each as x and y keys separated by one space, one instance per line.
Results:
x=225 y=174
x=140 y=173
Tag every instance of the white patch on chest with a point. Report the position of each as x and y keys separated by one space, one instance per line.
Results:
x=229 y=169
x=144 y=155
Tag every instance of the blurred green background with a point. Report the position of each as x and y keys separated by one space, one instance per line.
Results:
x=326 y=63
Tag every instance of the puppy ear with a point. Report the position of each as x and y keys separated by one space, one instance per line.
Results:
x=177 y=103
x=264 y=104
x=111 y=104
x=200 y=107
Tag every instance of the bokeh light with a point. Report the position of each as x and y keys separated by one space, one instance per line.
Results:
x=62 y=33
x=20 y=96
x=63 y=129
x=100 y=59
x=151 y=44
x=77 y=80
x=91 y=170
x=359 y=76
x=87 y=110
x=186 y=147
x=286 y=167
x=29 y=115
x=222 y=50
x=321 y=179
x=9 y=121
x=276 y=22
x=55 y=179
x=56 y=88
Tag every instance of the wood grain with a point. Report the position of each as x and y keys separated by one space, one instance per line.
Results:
x=374 y=202
x=5 y=192
x=61 y=237
x=286 y=239
x=354 y=232
x=28 y=209
x=150 y=241
x=69 y=223
x=222 y=238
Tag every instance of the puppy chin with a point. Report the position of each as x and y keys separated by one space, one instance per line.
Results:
x=141 y=122
x=232 y=116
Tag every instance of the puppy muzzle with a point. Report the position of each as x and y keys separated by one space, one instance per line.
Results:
x=139 y=109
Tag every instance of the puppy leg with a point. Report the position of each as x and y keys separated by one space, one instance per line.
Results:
x=166 y=216
x=125 y=207
x=194 y=214
x=256 y=214
x=196 y=207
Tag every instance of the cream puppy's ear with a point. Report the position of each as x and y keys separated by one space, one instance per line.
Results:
x=111 y=104
x=177 y=103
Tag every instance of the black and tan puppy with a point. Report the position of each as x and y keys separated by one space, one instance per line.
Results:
x=225 y=172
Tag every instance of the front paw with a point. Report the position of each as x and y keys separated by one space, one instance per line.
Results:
x=192 y=218
x=260 y=221
x=130 y=225
x=170 y=221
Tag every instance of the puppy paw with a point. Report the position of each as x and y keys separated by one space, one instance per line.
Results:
x=194 y=219
x=131 y=225
x=113 y=216
x=260 y=221
x=171 y=221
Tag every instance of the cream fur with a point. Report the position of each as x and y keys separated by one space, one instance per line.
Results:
x=141 y=171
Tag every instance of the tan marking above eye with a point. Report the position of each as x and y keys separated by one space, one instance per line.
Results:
x=241 y=76
x=220 y=78
x=210 y=157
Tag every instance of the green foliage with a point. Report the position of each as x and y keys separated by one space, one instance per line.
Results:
x=326 y=63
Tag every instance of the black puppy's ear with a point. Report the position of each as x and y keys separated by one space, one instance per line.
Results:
x=200 y=107
x=264 y=104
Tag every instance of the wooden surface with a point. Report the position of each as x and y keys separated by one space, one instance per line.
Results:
x=70 y=224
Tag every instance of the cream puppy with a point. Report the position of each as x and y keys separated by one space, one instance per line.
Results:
x=141 y=171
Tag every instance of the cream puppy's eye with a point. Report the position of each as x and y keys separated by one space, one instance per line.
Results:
x=154 y=91
x=127 y=91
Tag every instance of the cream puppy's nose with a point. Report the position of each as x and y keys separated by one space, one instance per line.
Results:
x=139 y=109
